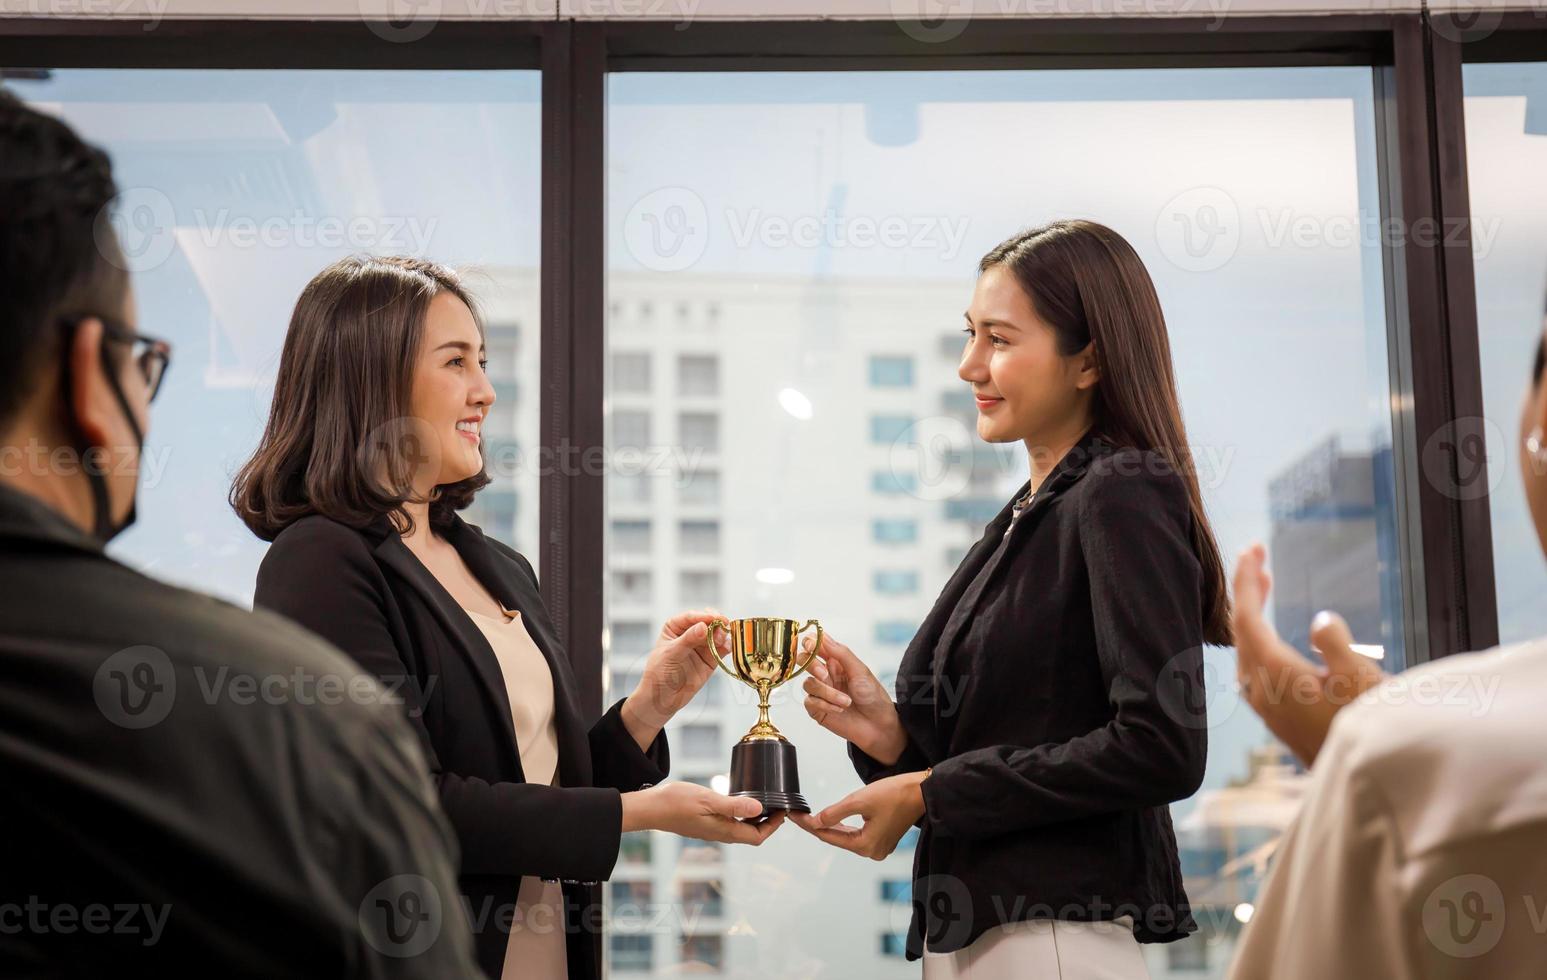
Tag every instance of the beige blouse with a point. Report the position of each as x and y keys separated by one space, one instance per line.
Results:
x=535 y=949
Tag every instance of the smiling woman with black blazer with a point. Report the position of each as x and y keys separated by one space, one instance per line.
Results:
x=372 y=446
x=1048 y=711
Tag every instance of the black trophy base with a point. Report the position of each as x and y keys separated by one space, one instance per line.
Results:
x=764 y=769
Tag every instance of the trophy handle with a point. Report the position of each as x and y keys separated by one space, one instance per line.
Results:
x=814 y=648
x=714 y=648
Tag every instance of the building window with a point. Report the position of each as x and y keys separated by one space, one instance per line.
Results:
x=628 y=488
x=1190 y=955
x=895 y=631
x=887 y=429
x=958 y=403
x=632 y=586
x=630 y=429
x=625 y=682
x=894 y=531
x=895 y=582
x=896 y=889
x=635 y=848
x=891 y=371
x=890 y=482
x=635 y=893
x=700 y=741
x=702 y=898
x=973 y=510
x=632 y=638
x=700 y=588
x=703 y=953
x=894 y=944
x=501 y=349
x=698 y=374
x=631 y=537
x=631 y=372
x=700 y=487
x=699 y=537
x=701 y=852
x=699 y=430
x=633 y=952
x=499 y=510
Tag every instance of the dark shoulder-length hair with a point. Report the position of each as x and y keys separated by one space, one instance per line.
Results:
x=1090 y=286
x=339 y=440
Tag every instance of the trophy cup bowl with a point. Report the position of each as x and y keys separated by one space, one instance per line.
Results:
x=765 y=653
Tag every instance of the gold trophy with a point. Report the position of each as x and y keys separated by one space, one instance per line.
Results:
x=763 y=655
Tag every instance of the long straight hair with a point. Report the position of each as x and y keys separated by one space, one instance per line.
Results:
x=1089 y=285
x=339 y=441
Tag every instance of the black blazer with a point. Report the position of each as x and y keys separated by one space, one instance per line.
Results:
x=1054 y=688
x=364 y=591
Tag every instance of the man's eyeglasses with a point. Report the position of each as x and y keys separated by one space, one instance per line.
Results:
x=152 y=355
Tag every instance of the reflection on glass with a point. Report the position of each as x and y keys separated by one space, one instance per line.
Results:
x=817 y=236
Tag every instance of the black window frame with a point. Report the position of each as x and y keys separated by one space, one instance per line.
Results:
x=1436 y=393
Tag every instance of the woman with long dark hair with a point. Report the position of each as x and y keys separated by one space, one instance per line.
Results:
x=1048 y=710
x=372 y=446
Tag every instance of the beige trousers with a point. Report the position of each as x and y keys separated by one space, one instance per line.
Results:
x=1045 y=949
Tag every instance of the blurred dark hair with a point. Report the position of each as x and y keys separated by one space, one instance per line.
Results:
x=339 y=423
x=1090 y=286
x=59 y=255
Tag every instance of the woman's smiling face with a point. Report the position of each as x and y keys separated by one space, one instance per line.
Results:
x=451 y=393
x=1024 y=388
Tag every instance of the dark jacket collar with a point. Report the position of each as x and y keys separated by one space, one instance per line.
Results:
x=516 y=592
x=24 y=516
x=1065 y=473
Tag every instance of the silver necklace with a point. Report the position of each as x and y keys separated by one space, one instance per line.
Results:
x=1018 y=508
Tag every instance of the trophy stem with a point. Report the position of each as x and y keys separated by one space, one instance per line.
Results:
x=764 y=727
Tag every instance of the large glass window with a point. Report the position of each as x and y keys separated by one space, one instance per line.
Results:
x=832 y=222
x=1506 y=156
x=238 y=187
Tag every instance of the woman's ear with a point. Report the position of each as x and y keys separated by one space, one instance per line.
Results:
x=1089 y=369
